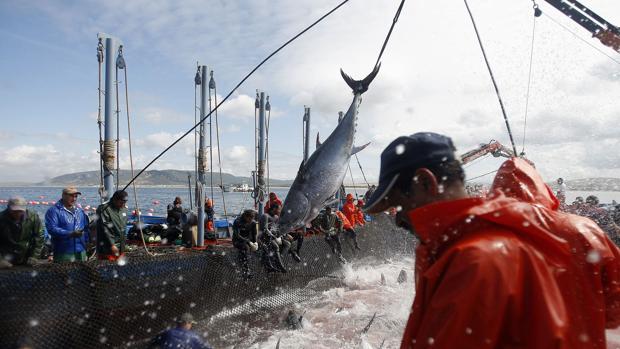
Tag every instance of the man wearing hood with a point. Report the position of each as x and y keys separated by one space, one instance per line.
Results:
x=506 y=271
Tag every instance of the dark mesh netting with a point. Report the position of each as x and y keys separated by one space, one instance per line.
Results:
x=106 y=304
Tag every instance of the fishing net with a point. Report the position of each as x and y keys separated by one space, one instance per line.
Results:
x=125 y=304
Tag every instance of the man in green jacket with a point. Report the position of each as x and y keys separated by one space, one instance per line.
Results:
x=21 y=233
x=111 y=227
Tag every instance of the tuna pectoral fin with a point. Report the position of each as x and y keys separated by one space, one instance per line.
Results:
x=356 y=150
x=360 y=86
x=318 y=142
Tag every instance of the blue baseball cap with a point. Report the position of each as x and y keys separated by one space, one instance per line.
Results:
x=418 y=150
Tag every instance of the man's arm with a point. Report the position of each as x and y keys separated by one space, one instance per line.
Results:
x=37 y=236
x=51 y=223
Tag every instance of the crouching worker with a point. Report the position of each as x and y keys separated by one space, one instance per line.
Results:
x=273 y=245
x=330 y=225
x=244 y=238
x=347 y=227
x=111 y=227
x=180 y=337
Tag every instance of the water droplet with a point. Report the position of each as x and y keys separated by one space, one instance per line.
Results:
x=34 y=273
x=526 y=224
x=33 y=322
x=103 y=339
x=400 y=149
x=468 y=330
x=593 y=257
x=121 y=261
x=399 y=208
x=431 y=340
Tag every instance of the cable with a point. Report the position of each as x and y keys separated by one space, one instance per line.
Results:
x=236 y=87
x=219 y=153
x=99 y=122
x=580 y=38
x=501 y=104
x=529 y=80
x=361 y=169
x=482 y=175
x=387 y=38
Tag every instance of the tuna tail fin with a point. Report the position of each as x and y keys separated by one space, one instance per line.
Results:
x=356 y=150
x=318 y=142
x=360 y=86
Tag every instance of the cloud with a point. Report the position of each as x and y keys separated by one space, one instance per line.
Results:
x=162 y=115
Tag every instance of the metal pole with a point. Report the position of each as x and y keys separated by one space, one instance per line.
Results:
x=189 y=187
x=109 y=121
x=261 y=151
x=307 y=139
x=202 y=160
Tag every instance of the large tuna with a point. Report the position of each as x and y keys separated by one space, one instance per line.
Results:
x=319 y=178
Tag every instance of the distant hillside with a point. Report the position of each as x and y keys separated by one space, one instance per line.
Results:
x=591 y=184
x=153 y=177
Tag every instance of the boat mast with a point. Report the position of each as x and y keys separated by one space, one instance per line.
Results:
x=202 y=159
x=260 y=175
x=306 y=125
x=109 y=142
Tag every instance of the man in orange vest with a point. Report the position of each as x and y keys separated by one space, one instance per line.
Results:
x=361 y=220
x=350 y=210
x=348 y=228
x=508 y=270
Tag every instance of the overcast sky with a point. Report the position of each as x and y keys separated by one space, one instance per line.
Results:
x=433 y=78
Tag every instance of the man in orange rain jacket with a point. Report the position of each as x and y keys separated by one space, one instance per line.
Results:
x=506 y=271
x=360 y=219
x=348 y=229
x=273 y=200
x=350 y=210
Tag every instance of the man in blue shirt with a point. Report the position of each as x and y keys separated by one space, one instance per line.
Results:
x=180 y=337
x=67 y=224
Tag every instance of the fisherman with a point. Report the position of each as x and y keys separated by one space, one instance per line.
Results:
x=244 y=239
x=602 y=217
x=330 y=225
x=349 y=209
x=209 y=221
x=369 y=192
x=271 y=242
x=111 y=226
x=21 y=234
x=174 y=219
x=361 y=220
x=561 y=193
x=517 y=231
x=273 y=200
x=67 y=224
x=347 y=227
x=180 y=337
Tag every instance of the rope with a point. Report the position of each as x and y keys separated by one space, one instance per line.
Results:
x=580 y=38
x=109 y=150
x=352 y=180
x=99 y=122
x=237 y=86
x=196 y=108
x=135 y=192
x=482 y=175
x=529 y=79
x=210 y=145
x=387 y=38
x=268 y=107
x=219 y=155
x=117 y=112
x=501 y=104
x=361 y=169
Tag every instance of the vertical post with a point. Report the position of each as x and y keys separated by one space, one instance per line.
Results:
x=307 y=138
x=202 y=159
x=109 y=141
x=261 y=152
x=189 y=188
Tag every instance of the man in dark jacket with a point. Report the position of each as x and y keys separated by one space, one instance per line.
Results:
x=180 y=337
x=330 y=225
x=273 y=246
x=21 y=233
x=111 y=227
x=244 y=238
x=174 y=220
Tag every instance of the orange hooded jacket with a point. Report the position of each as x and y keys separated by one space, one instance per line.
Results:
x=346 y=224
x=350 y=210
x=510 y=271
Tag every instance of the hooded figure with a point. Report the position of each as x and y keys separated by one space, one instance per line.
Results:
x=273 y=200
x=349 y=210
x=512 y=271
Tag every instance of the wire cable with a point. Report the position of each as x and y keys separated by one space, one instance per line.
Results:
x=236 y=87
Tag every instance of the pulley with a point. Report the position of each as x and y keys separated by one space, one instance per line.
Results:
x=211 y=81
x=120 y=61
x=197 y=77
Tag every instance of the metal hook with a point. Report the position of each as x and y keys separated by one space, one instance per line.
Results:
x=268 y=105
x=537 y=11
x=197 y=77
x=120 y=61
x=256 y=102
x=211 y=81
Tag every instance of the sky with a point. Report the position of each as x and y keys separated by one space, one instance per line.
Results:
x=432 y=78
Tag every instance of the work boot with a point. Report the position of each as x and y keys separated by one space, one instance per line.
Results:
x=295 y=256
